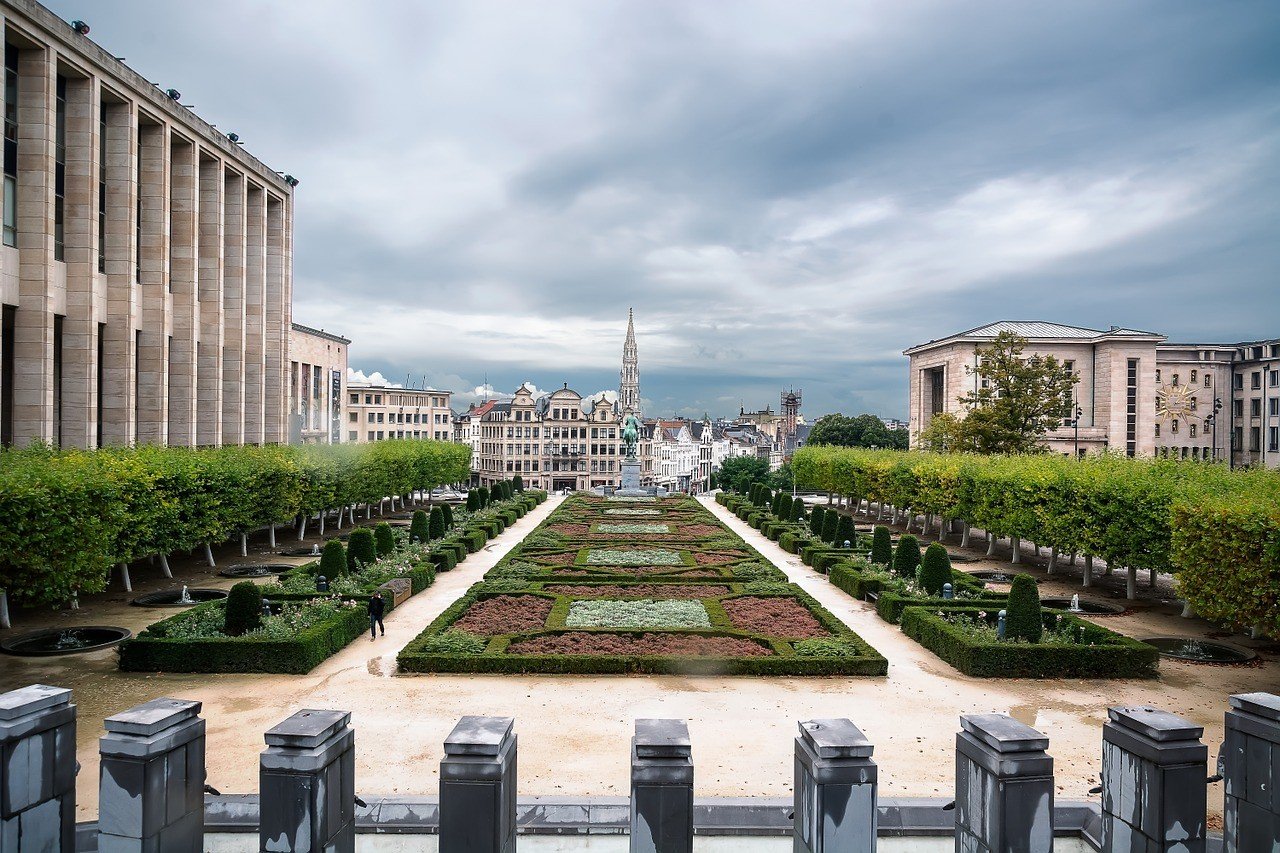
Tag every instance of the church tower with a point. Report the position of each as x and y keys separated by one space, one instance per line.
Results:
x=629 y=379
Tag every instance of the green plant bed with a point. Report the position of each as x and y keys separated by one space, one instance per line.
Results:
x=890 y=605
x=1098 y=653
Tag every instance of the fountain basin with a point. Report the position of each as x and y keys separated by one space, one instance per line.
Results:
x=299 y=552
x=996 y=576
x=64 y=641
x=258 y=570
x=962 y=558
x=173 y=598
x=1195 y=650
x=1087 y=606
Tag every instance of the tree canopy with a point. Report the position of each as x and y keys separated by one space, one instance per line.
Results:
x=863 y=431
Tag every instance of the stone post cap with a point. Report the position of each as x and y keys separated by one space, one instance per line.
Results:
x=835 y=738
x=659 y=738
x=479 y=735
x=307 y=728
x=1003 y=733
x=152 y=717
x=1263 y=704
x=30 y=699
x=1154 y=724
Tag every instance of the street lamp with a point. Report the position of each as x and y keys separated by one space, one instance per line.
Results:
x=1213 y=421
x=1075 y=423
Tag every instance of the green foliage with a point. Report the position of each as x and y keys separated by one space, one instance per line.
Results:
x=447 y=511
x=419 y=529
x=935 y=569
x=739 y=473
x=816 y=520
x=797 y=510
x=845 y=531
x=1024 y=618
x=830 y=523
x=243 y=609
x=435 y=529
x=473 y=500
x=454 y=643
x=1018 y=400
x=862 y=431
x=333 y=559
x=881 y=545
x=383 y=539
x=907 y=558
x=518 y=483
x=362 y=550
x=483 y=495
x=781 y=507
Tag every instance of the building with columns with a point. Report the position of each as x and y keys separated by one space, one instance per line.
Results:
x=1138 y=393
x=317 y=385
x=146 y=260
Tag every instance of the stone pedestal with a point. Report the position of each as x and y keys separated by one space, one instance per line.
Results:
x=478 y=787
x=307 y=785
x=1004 y=787
x=1251 y=774
x=1153 y=782
x=835 y=789
x=151 y=779
x=661 y=787
x=37 y=770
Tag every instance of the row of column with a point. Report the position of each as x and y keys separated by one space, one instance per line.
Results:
x=179 y=334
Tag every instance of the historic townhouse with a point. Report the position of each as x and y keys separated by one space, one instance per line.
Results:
x=146 y=260
x=380 y=411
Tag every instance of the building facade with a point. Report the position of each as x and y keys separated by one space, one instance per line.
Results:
x=1137 y=392
x=146 y=261
x=379 y=412
x=317 y=385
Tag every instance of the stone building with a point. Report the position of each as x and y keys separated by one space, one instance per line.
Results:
x=378 y=410
x=1137 y=392
x=317 y=385
x=146 y=258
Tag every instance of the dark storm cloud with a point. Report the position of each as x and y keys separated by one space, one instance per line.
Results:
x=788 y=194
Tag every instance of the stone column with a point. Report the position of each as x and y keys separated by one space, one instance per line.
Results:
x=307 y=785
x=210 y=247
x=835 y=789
x=183 y=246
x=1004 y=787
x=38 y=782
x=119 y=426
x=661 y=788
x=1153 y=782
x=255 y=395
x=233 y=309
x=80 y=232
x=478 y=787
x=1251 y=773
x=153 y=283
x=276 y=425
x=151 y=779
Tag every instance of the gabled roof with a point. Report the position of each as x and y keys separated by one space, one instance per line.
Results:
x=1037 y=330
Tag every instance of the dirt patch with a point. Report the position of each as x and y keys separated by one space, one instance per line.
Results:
x=700 y=530
x=644 y=590
x=599 y=643
x=555 y=559
x=505 y=614
x=774 y=617
x=716 y=559
x=570 y=529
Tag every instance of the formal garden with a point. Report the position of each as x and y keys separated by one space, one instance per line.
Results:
x=623 y=585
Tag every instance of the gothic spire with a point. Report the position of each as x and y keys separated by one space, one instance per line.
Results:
x=629 y=378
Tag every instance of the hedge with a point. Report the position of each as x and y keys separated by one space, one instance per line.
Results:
x=1218 y=529
x=70 y=515
x=1112 y=655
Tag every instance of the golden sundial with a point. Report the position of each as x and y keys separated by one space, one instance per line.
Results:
x=1173 y=401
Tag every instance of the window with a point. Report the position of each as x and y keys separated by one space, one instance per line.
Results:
x=1157 y=430
x=1237 y=380
x=1237 y=408
x=1254 y=438
x=1191 y=428
x=1273 y=406
x=1273 y=378
x=1175 y=379
x=1131 y=408
x=377 y=399
x=1157 y=376
x=1193 y=404
x=354 y=418
x=1173 y=428
x=59 y=168
x=1206 y=381
x=371 y=434
x=1255 y=379
x=1193 y=377
x=10 y=145
x=352 y=435
x=1273 y=439
x=1255 y=408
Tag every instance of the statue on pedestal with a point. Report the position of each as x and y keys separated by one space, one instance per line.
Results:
x=630 y=436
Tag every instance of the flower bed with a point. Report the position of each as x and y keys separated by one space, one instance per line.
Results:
x=632 y=511
x=635 y=605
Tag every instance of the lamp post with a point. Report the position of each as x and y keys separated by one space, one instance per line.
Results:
x=1213 y=420
x=1075 y=423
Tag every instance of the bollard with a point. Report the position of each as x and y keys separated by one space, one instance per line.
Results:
x=661 y=788
x=37 y=769
x=835 y=789
x=948 y=591
x=1004 y=786
x=306 y=782
x=1153 y=782
x=151 y=779
x=1250 y=766
x=478 y=787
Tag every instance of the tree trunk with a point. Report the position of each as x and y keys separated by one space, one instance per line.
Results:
x=323 y=514
x=302 y=527
x=1188 y=612
x=4 y=609
x=124 y=577
x=1153 y=579
x=1131 y=584
x=964 y=534
x=991 y=544
x=1053 y=559
x=244 y=545
x=272 y=537
x=1088 y=570
x=164 y=565
x=208 y=552
x=1015 y=541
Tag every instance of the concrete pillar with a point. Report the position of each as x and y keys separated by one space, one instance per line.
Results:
x=210 y=247
x=185 y=319
x=153 y=283
x=835 y=789
x=276 y=346
x=1153 y=782
x=119 y=426
x=1004 y=787
x=1251 y=773
x=478 y=787
x=255 y=247
x=661 y=787
x=307 y=785
x=80 y=237
x=233 y=308
x=151 y=779
x=37 y=770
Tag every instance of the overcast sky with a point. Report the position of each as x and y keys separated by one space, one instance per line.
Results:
x=788 y=193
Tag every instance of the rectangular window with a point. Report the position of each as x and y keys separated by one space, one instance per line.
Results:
x=1237 y=408
x=1273 y=406
x=1254 y=439
x=1192 y=428
x=10 y=145
x=1273 y=378
x=102 y=188
x=1255 y=408
x=1273 y=439
x=8 y=324
x=1255 y=379
x=1131 y=409
x=60 y=168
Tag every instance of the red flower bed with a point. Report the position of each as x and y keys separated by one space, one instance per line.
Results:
x=600 y=643
x=643 y=590
x=637 y=570
x=776 y=617
x=505 y=614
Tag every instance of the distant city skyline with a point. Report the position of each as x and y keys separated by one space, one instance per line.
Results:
x=787 y=195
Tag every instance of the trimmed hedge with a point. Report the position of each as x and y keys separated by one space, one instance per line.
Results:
x=1112 y=655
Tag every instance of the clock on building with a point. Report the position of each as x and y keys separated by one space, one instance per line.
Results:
x=1174 y=402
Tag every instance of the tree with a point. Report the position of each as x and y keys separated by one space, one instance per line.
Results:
x=447 y=511
x=781 y=507
x=740 y=472
x=435 y=525
x=244 y=609
x=797 y=510
x=945 y=433
x=862 y=431
x=907 y=558
x=483 y=497
x=881 y=546
x=935 y=570
x=783 y=479
x=419 y=528
x=517 y=483
x=815 y=520
x=473 y=500
x=384 y=541
x=1023 y=619
x=361 y=549
x=845 y=531
x=830 y=521
x=1017 y=399
x=333 y=559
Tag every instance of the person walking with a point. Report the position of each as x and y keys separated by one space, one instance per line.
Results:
x=376 y=608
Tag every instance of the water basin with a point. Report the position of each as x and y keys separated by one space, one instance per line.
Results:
x=173 y=597
x=995 y=576
x=1195 y=650
x=64 y=641
x=257 y=570
x=1086 y=606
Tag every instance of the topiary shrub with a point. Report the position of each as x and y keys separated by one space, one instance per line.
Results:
x=419 y=530
x=361 y=549
x=815 y=520
x=244 y=609
x=333 y=559
x=845 y=531
x=435 y=528
x=907 y=558
x=447 y=511
x=797 y=510
x=484 y=496
x=384 y=540
x=473 y=500
x=935 y=570
x=830 y=522
x=517 y=483
x=881 y=546
x=1023 y=619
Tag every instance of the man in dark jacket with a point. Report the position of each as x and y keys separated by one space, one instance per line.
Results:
x=376 y=608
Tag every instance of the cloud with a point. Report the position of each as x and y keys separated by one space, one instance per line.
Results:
x=374 y=378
